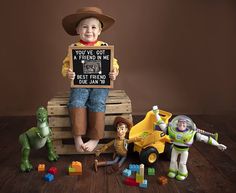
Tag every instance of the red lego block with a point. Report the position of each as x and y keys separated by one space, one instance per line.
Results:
x=52 y=170
x=130 y=182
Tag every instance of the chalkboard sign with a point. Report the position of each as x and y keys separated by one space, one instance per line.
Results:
x=92 y=65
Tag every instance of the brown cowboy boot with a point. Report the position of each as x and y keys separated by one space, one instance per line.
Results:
x=96 y=125
x=97 y=163
x=78 y=117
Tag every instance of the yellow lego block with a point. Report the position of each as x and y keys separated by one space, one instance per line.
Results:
x=139 y=178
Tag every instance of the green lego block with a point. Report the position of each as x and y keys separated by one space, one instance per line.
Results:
x=71 y=169
x=151 y=171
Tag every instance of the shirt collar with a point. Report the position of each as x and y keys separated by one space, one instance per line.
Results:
x=88 y=43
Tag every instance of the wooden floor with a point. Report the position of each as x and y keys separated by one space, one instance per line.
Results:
x=210 y=170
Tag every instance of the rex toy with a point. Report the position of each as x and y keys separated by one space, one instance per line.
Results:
x=36 y=138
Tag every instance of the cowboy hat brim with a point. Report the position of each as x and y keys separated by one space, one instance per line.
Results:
x=71 y=22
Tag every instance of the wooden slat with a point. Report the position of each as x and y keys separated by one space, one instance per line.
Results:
x=114 y=99
x=110 y=109
x=70 y=149
x=68 y=135
x=114 y=96
x=111 y=93
x=65 y=121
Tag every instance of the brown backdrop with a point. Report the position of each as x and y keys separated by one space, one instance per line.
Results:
x=179 y=54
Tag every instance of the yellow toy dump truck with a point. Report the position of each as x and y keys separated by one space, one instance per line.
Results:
x=154 y=140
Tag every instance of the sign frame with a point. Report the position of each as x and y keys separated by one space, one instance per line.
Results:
x=90 y=67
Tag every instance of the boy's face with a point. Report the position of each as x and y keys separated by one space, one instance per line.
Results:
x=89 y=29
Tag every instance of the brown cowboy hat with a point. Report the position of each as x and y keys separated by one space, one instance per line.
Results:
x=123 y=120
x=70 y=22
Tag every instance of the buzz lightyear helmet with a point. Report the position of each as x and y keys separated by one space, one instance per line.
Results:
x=190 y=124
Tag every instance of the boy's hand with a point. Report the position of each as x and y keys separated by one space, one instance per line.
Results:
x=113 y=74
x=70 y=74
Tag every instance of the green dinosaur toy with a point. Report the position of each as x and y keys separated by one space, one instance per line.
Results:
x=36 y=138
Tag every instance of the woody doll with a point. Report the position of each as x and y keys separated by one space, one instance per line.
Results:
x=87 y=105
x=120 y=144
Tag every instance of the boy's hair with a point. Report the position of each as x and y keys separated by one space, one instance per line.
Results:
x=100 y=23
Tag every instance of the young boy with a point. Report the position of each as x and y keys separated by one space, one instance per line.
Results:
x=87 y=23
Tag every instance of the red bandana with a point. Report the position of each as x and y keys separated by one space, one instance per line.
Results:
x=88 y=43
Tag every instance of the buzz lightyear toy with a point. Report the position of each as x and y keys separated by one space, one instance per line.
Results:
x=182 y=132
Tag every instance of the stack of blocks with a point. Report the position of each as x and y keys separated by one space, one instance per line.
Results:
x=139 y=176
x=75 y=168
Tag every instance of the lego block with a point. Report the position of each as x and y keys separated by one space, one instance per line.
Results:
x=126 y=172
x=151 y=171
x=41 y=167
x=144 y=184
x=134 y=167
x=139 y=178
x=141 y=169
x=70 y=169
x=77 y=165
x=48 y=177
x=52 y=170
x=162 y=180
x=130 y=181
x=73 y=172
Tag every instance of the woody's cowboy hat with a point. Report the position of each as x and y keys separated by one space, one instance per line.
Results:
x=70 y=22
x=123 y=120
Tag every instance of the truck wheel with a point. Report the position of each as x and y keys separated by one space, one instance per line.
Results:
x=149 y=156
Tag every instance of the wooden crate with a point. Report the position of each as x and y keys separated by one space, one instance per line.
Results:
x=117 y=104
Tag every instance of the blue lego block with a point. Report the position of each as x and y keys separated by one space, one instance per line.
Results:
x=134 y=167
x=48 y=177
x=144 y=184
x=126 y=172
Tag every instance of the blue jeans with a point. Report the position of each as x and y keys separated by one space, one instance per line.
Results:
x=92 y=98
x=119 y=159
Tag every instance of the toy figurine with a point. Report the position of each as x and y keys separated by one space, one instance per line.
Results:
x=120 y=145
x=36 y=138
x=182 y=132
x=87 y=105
